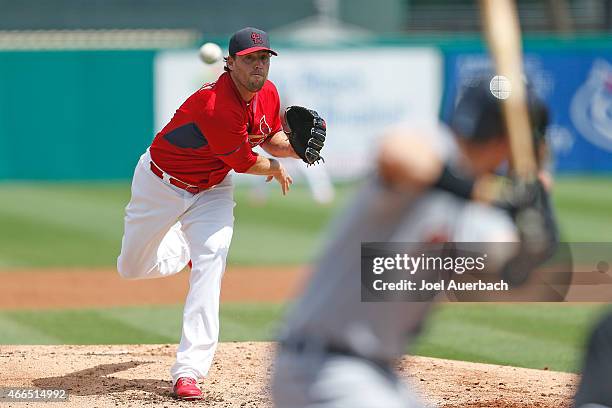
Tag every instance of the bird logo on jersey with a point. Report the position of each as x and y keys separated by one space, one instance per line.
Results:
x=265 y=129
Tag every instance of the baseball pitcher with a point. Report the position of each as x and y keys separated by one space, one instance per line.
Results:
x=181 y=208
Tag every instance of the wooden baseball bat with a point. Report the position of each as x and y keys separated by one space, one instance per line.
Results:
x=503 y=33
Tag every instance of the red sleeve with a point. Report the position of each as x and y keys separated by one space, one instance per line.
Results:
x=240 y=159
x=226 y=133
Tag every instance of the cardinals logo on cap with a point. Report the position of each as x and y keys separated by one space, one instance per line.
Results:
x=256 y=38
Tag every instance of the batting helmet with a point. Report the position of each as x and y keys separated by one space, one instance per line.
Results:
x=478 y=115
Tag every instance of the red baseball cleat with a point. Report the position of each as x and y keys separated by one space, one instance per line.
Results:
x=186 y=388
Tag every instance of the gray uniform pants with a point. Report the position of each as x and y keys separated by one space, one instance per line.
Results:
x=595 y=389
x=328 y=380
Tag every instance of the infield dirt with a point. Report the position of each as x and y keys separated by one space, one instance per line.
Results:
x=62 y=288
x=137 y=376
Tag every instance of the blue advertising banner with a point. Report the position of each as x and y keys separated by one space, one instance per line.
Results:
x=577 y=86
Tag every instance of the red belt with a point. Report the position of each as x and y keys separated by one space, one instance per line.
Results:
x=175 y=182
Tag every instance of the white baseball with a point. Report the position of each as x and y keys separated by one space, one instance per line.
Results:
x=210 y=53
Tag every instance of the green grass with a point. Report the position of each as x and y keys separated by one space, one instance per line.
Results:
x=61 y=224
x=130 y=325
x=535 y=335
x=285 y=230
x=75 y=224
x=523 y=335
x=583 y=207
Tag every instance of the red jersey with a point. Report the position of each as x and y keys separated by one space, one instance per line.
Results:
x=209 y=134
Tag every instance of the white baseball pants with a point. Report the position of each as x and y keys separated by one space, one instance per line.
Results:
x=165 y=228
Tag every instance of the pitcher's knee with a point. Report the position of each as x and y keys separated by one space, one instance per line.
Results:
x=128 y=270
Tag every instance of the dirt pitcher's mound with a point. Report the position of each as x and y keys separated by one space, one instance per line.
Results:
x=137 y=376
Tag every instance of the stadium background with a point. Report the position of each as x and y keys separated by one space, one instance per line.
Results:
x=79 y=90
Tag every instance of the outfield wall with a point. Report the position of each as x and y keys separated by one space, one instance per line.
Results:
x=67 y=115
x=74 y=114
